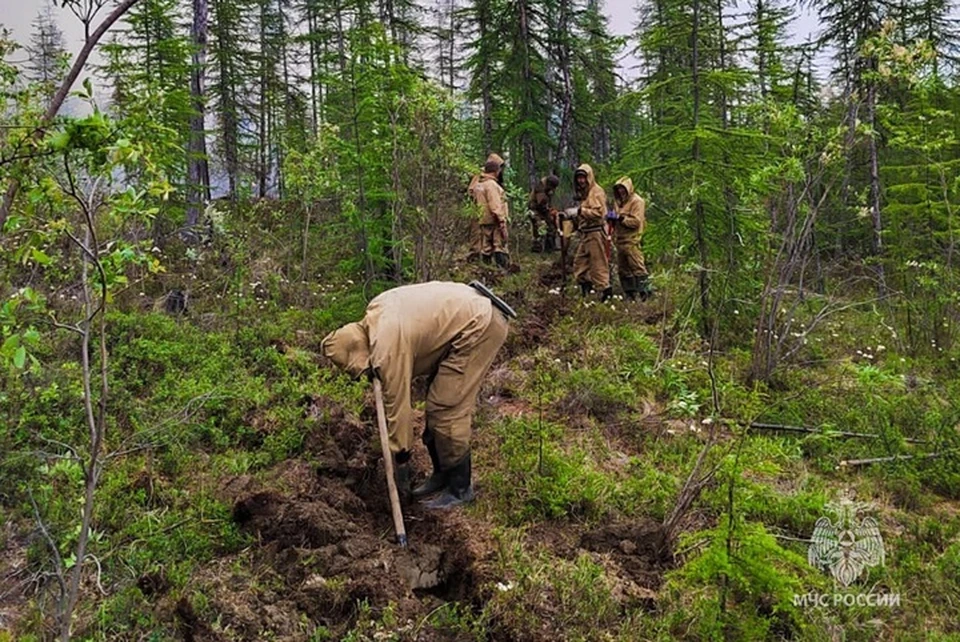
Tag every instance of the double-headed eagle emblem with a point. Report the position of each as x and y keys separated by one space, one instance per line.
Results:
x=847 y=545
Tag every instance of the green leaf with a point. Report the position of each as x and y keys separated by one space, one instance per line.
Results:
x=20 y=357
x=40 y=257
x=11 y=342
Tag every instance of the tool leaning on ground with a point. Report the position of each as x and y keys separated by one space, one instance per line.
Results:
x=388 y=465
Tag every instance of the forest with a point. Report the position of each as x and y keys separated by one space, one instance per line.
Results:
x=199 y=192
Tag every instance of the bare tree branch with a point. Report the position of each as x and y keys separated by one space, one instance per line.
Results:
x=64 y=90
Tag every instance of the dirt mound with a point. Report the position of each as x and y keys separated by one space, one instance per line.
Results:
x=637 y=548
x=326 y=545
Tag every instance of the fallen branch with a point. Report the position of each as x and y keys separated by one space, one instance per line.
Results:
x=881 y=460
x=831 y=433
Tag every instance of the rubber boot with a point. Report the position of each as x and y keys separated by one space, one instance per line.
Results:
x=585 y=289
x=643 y=287
x=503 y=260
x=629 y=285
x=401 y=476
x=550 y=242
x=606 y=294
x=437 y=481
x=459 y=488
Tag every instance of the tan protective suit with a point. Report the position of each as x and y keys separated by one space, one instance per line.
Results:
x=447 y=331
x=476 y=236
x=591 y=264
x=492 y=200
x=628 y=233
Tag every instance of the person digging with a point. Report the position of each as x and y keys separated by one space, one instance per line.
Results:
x=451 y=333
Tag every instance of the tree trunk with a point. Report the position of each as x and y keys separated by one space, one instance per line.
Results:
x=564 y=155
x=264 y=106
x=226 y=90
x=529 y=148
x=703 y=276
x=197 y=175
x=485 y=90
x=875 y=186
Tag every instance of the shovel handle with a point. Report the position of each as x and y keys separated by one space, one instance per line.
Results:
x=388 y=465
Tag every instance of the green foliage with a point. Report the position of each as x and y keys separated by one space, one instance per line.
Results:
x=741 y=584
x=541 y=479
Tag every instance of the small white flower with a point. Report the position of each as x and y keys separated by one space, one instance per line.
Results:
x=504 y=586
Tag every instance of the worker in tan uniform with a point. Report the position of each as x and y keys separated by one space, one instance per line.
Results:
x=476 y=238
x=630 y=221
x=451 y=333
x=492 y=200
x=591 y=264
x=540 y=209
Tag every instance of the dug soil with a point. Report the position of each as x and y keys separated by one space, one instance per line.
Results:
x=325 y=552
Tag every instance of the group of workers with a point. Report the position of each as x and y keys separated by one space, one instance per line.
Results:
x=451 y=332
x=600 y=224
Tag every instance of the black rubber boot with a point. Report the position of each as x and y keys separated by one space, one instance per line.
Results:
x=643 y=287
x=459 y=487
x=550 y=242
x=585 y=289
x=437 y=481
x=606 y=294
x=503 y=260
x=629 y=285
x=401 y=475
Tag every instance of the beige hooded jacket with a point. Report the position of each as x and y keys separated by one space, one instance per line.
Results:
x=410 y=331
x=633 y=219
x=593 y=207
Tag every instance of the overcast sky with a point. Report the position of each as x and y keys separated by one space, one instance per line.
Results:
x=18 y=15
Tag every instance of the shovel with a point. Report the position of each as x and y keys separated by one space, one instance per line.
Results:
x=388 y=465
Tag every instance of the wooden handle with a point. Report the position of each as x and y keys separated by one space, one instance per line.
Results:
x=388 y=465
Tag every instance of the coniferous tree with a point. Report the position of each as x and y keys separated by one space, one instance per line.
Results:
x=47 y=61
x=691 y=151
x=596 y=57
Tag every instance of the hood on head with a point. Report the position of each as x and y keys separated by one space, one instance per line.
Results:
x=551 y=182
x=626 y=183
x=586 y=169
x=349 y=348
x=496 y=158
